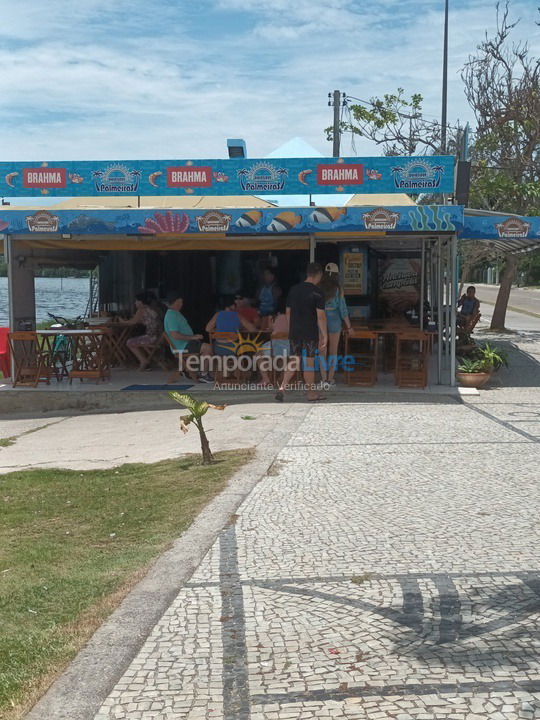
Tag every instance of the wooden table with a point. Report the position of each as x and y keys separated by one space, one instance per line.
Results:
x=119 y=333
x=87 y=351
x=388 y=330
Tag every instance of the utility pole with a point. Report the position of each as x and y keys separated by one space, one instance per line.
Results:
x=444 y=80
x=335 y=100
x=337 y=128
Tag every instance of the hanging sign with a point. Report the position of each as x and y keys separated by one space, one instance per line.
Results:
x=237 y=176
x=500 y=227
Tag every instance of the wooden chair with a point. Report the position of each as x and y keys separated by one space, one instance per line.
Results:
x=31 y=361
x=91 y=356
x=156 y=351
x=472 y=321
x=412 y=359
x=228 y=341
x=362 y=345
x=179 y=355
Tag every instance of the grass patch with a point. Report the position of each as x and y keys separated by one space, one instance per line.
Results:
x=72 y=544
x=360 y=579
x=6 y=442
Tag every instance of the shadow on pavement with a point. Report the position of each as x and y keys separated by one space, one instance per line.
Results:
x=523 y=368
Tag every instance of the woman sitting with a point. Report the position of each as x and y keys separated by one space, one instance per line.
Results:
x=227 y=320
x=146 y=316
x=336 y=314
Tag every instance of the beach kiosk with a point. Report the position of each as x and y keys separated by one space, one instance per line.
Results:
x=199 y=224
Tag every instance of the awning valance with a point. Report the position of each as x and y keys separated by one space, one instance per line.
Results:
x=148 y=224
x=507 y=233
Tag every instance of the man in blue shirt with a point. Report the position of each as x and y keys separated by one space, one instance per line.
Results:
x=181 y=337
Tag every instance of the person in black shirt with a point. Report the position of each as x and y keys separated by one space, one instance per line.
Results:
x=307 y=330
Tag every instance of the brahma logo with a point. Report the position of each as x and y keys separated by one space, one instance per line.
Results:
x=44 y=177
x=42 y=221
x=262 y=177
x=116 y=179
x=418 y=175
x=213 y=221
x=340 y=174
x=513 y=228
x=381 y=219
x=189 y=176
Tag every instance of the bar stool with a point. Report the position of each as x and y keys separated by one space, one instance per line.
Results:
x=362 y=345
x=412 y=359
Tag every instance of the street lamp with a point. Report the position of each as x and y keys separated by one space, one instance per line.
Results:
x=444 y=80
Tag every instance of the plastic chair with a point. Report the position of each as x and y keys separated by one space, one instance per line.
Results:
x=5 y=363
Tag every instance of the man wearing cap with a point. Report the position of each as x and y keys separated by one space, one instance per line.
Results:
x=307 y=331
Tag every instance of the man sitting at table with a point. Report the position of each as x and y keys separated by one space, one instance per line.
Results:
x=469 y=310
x=182 y=338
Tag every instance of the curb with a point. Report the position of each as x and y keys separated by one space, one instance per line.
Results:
x=80 y=691
x=44 y=403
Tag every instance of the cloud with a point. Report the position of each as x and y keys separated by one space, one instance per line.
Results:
x=142 y=79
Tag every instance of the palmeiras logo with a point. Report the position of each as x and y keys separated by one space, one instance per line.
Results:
x=262 y=177
x=418 y=175
x=213 y=221
x=513 y=228
x=116 y=179
x=381 y=219
x=42 y=221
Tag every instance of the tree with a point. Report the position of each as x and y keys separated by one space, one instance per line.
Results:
x=397 y=123
x=502 y=85
x=197 y=409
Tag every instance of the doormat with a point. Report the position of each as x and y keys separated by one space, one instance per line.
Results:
x=157 y=387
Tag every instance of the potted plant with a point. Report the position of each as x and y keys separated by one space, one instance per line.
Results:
x=493 y=357
x=473 y=372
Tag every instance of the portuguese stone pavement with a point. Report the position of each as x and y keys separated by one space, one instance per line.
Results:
x=386 y=567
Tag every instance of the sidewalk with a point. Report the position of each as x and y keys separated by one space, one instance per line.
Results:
x=385 y=567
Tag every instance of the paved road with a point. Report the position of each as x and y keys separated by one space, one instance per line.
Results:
x=515 y=321
x=387 y=567
x=520 y=298
x=527 y=300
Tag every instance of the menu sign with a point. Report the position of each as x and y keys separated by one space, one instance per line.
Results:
x=353 y=273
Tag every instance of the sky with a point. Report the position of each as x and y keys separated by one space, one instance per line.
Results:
x=144 y=79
